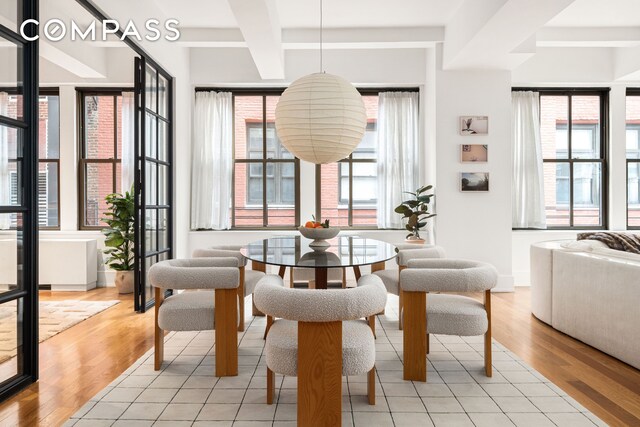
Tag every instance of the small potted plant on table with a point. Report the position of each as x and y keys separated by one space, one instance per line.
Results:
x=416 y=210
x=120 y=239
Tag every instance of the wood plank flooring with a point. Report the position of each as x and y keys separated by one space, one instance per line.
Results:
x=80 y=361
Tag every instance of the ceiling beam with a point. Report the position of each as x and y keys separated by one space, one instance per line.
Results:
x=626 y=63
x=363 y=38
x=260 y=27
x=490 y=34
x=588 y=37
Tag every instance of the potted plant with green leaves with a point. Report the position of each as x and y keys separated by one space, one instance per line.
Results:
x=416 y=210
x=120 y=235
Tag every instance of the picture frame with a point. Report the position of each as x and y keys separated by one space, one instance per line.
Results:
x=474 y=125
x=474 y=153
x=474 y=182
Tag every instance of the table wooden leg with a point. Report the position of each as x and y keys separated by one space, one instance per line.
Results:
x=257 y=266
x=321 y=278
x=281 y=271
x=356 y=271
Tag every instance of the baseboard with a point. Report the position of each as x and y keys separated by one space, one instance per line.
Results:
x=505 y=284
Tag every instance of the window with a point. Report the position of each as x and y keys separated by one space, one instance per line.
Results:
x=100 y=153
x=633 y=158
x=346 y=191
x=49 y=155
x=265 y=190
x=573 y=133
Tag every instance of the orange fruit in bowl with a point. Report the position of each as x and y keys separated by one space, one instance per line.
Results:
x=310 y=224
x=318 y=225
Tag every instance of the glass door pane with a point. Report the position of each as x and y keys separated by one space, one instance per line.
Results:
x=153 y=164
x=18 y=202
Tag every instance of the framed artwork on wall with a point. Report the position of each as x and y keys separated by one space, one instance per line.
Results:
x=474 y=125
x=474 y=182
x=474 y=153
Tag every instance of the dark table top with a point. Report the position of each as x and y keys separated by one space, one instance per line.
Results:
x=294 y=251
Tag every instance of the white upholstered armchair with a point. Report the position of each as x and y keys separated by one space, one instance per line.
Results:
x=319 y=337
x=209 y=301
x=248 y=277
x=437 y=313
x=391 y=277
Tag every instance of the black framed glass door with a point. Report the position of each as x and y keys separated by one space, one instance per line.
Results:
x=154 y=174
x=18 y=200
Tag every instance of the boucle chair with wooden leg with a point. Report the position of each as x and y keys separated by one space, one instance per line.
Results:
x=441 y=313
x=248 y=277
x=198 y=309
x=391 y=277
x=319 y=337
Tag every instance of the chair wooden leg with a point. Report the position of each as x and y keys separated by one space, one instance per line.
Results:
x=400 y=309
x=344 y=278
x=266 y=329
x=158 y=333
x=371 y=386
x=291 y=277
x=371 y=320
x=488 y=370
x=241 y=300
x=257 y=266
x=400 y=300
x=414 y=336
x=319 y=374
x=271 y=386
x=226 y=318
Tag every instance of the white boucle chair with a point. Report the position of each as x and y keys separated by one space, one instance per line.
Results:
x=248 y=278
x=391 y=277
x=198 y=309
x=319 y=337
x=441 y=313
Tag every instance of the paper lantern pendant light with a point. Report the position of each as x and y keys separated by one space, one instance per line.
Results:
x=321 y=118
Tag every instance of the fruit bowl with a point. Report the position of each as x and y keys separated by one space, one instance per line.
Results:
x=319 y=235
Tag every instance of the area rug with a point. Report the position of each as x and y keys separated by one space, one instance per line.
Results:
x=55 y=317
x=457 y=393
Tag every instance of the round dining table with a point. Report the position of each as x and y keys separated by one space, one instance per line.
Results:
x=294 y=251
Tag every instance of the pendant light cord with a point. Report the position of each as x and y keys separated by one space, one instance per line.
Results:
x=321 y=66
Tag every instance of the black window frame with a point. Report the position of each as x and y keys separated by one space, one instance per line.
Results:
x=264 y=93
x=603 y=94
x=350 y=161
x=43 y=91
x=83 y=160
x=629 y=162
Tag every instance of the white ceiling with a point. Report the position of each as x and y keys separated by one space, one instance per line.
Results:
x=599 y=13
x=366 y=13
x=306 y=13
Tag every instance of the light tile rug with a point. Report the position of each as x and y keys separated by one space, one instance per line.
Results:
x=55 y=317
x=457 y=393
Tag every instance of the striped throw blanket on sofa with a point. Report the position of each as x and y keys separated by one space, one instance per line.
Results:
x=620 y=241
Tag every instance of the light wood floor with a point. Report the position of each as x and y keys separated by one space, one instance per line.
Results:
x=80 y=361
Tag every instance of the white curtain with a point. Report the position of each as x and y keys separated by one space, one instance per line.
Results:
x=212 y=161
x=528 y=174
x=398 y=133
x=5 y=180
x=128 y=142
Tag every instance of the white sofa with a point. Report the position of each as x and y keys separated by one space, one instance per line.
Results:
x=590 y=292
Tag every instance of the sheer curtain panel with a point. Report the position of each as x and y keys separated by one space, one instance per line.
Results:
x=527 y=175
x=128 y=141
x=212 y=161
x=398 y=133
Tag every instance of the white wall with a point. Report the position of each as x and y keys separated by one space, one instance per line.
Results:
x=475 y=226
